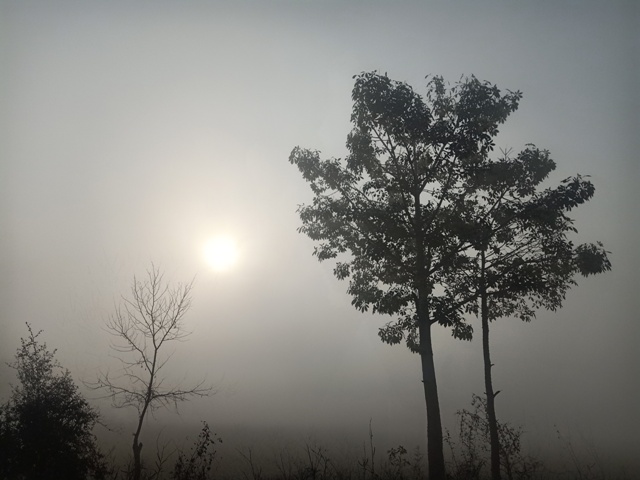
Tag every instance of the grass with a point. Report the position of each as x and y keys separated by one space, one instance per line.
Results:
x=467 y=451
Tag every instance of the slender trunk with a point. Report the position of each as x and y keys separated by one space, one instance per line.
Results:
x=435 y=445
x=137 y=444
x=137 y=448
x=488 y=384
x=435 y=448
x=137 y=461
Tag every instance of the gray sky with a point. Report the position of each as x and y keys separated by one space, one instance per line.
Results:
x=132 y=133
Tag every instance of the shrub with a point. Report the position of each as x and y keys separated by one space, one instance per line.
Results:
x=46 y=425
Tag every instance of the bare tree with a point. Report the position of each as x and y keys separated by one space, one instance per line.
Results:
x=143 y=325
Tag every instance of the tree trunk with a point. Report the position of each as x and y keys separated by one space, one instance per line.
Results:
x=137 y=460
x=488 y=384
x=435 y=448
x=137 y=444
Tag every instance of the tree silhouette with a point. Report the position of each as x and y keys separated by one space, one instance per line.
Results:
x=521 y=258
x=143 y=326
x=46 y=426
x=388 y=211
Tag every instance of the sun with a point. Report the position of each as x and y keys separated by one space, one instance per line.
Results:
x=221 y=253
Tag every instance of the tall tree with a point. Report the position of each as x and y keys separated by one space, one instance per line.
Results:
x=143 y=326
x=389 y=209
x=46 y=427
x=522 y=258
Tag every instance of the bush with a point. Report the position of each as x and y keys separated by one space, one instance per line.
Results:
x=470 y=454
x=46 y=425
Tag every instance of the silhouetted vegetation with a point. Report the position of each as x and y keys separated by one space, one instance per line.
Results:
x=424 y=224
x=521 y=257
x=46 y=433
x=142 y=327
x=198 y=462
x=393 y=204
x=46 y=427
x=471 y=451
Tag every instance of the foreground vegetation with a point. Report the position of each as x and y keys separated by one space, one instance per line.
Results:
x=46 y=432
x=468 y=458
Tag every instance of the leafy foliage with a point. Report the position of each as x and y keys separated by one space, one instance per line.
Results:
x=46 y=426
x=392 y=202
x=522 y=257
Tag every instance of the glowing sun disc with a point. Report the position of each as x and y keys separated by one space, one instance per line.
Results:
x=221 y=253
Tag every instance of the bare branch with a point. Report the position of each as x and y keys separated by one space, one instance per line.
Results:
x=142 y=325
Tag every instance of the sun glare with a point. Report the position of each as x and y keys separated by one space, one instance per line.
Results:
x=221 y=253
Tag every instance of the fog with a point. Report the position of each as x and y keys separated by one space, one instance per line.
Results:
x=132 y=133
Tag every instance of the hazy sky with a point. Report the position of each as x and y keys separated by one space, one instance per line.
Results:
x=132 y=132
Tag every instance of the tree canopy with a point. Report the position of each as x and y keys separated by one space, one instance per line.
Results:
x=520 y=237
x=392 y=202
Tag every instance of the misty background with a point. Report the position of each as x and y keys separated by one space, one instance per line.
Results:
x=134 y=132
